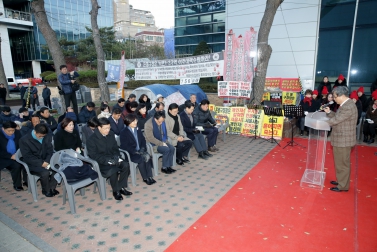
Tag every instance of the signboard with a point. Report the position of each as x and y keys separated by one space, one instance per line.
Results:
x=266 y=96
x=290 y=84
x=289 y=98
x=236 y=89
x=185 y=81
x=236 y=119
x=251 y=121
x=267 y=126
x=195 y=67
x=113 y=73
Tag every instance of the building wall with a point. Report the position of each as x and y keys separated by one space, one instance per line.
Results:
x=293 y=34
x=5 y=51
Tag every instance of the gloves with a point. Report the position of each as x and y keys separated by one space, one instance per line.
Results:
x=306 y=112
x=142 y=149
x=112 y=161
x=146 y=156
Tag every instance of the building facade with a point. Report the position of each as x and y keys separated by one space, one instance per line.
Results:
x=150 y=38
x=196 y=21
x=27 y=49
x=129 y=21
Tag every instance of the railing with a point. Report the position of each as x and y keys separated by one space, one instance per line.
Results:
x=15 y=14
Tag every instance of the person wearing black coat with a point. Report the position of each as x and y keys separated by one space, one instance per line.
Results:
x=308 y=105
x=144 y=99
x=324 y=83
x=8 y=151
x=87 y=112
x=363 y=98
x=341 y=81
x=29 y=126
x=44 y=114
x=46 y=94
x=3 y=94
x=22 y=93
x=36 y=149
x=68 y=137
x=141 y=115
x=133 y=141
x=103 y=148
x=116 y=122
x=189 y=127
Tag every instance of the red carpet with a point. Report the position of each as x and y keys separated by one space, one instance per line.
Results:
x=267 y=210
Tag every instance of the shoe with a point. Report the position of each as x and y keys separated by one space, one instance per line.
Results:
x=301 y=133
x=336 y=189
x=179 y=161
x=54 y=192
x=371 y=140
x=185 y=160
x=125 y=192
x=117 y=195
x=153 y=181
x=25 y=184
x=171 y=169
x=212 y=149
x=217 y=149
x=207 y=154
x=333 y=182
x=148 y=181
x=18 y=188
x=48 y=194
x=365 y=139
x=201 y=155
x=166 y=170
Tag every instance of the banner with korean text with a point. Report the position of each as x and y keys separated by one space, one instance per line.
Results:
x=222 y=114
x=289 y=98
x=252 y=120
x=235 y=89
x=267 y=126
x=236 y=119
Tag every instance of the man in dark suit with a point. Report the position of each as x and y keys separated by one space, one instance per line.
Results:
x=343 y=136
x=9 y=143
x=116 y=122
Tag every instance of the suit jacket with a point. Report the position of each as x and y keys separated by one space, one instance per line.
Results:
x=187 y=126
x=35 y=153
x=128 y=143
x=169 y=121
x=5 y=157
x=343 y=124
x=116 y=128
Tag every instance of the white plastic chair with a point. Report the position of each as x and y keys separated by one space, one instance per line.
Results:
x=101 y=179
x=70 y=188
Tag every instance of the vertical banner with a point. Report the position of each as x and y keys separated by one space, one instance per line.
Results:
x=249 y=43
x=222 y=89
x=266 y=96
x=120 y=84
x=289 y=98
x=267 y=126
x=252 y=120
x=236 y=119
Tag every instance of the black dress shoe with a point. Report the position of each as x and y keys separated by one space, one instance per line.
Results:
x=336 y=189
x=333 y=182
x=171 y=169
x=201 y=155
x=54 y=192
x=125 y=192
x=18 y=188
x=153 y=181
x=117 y=195
x=148 y=181
x=207 y=154
x=166 y=170
x=185 y=160
x=48 y=194
x=179 y=161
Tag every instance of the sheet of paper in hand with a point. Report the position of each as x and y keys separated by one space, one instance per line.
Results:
x=199 y=128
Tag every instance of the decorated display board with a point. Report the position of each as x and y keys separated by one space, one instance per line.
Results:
x=252 y=118
x=234 y=89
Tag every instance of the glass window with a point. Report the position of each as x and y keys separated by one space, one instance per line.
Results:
x=200 y=8
x=180 y=21
x=219 y=17
x=206 y=18
x=192 y=20
x=219 y=27
x=337 y=15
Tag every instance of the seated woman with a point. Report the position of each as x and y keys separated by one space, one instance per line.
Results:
x=98 y=111
x=307 y=106
x=176 y=134
x=9 y=139
x=144 y=99
x=129 y=109
x=88 y=129
x=105 y=111
x=132 y=140
x=141 y=114
x=358 y=104
x=68 y=137
x=370 y=125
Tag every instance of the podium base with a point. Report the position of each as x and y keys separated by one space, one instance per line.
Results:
x=313 y=179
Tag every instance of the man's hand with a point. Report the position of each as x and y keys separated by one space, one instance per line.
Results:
x=327 y=110
x=164 y=144
x=13 y=157
x=180 y=138
x=45 y=164
x=73 y=81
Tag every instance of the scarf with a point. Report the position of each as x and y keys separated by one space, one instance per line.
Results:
x=308 y=100
x=134 y=132
x=35 y=137
x=11 y=146
x=176 y=124
x=159 y=133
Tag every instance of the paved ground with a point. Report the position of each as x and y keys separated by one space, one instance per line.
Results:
x=150 y=220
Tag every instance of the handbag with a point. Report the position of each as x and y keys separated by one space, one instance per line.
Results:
x=77 y=173
x=75 y=86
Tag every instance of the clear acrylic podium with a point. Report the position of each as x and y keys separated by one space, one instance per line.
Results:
x=314 y=176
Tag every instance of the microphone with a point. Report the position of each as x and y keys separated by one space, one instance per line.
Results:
x=327 y=104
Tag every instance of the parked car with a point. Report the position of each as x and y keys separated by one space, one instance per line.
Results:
x=13 y=82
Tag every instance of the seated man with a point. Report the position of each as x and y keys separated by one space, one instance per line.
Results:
x=156 y=134
x=103 y=148
x=23 y=115
x=69 y=113
x=28 y=127
x=44 y=113
x=120 y=105
x=6 y=115
x=192 y=133
x=116 y=123
x=9 y=143
x=192 y=100
x=131 y=98
x=160 y=106
x=87 y=112
x=202 y=117
x=36 y=149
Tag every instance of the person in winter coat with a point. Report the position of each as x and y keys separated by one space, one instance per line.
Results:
x=22 y=93
x=141 y=115
x=358 y=104
x=88 y=129
x=363 y=98
x=341 y=81
x=68 y=137
x=29 y=126
x=66 y=79
x=308 y=105
x=44 y=114
x=324 y=83
x=87 y=112
x=105 y=111
x=3 y=94
x=6 y=115
x=23 y=115
x=116 y=122
x=144 y=99
x=317 y=101
x=369 y=128
x=130 y=109
x=46 y=94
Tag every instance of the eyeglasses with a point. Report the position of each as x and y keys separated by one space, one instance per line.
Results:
x=334 y=96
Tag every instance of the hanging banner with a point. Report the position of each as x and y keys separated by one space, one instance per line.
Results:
x=120 y=84
x=289 y=98
x=272 y=84
x=236 y=119
x=189 y=68
x=235 y=89
x=267 y=126
x=113 y=73
x=252 y=120
x=290 y=84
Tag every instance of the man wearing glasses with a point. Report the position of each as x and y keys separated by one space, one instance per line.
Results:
x=343 y=136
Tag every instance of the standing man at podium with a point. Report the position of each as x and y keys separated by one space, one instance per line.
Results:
x=343 y=136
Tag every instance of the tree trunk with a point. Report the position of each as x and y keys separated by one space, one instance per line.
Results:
x=264 y=49
x=3 y=78
x=39 y=12
x=104 y=89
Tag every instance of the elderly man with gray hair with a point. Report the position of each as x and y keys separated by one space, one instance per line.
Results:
x=343 y=136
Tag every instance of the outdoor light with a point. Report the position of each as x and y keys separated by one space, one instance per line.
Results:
x=353 y=71
x=253 y=54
